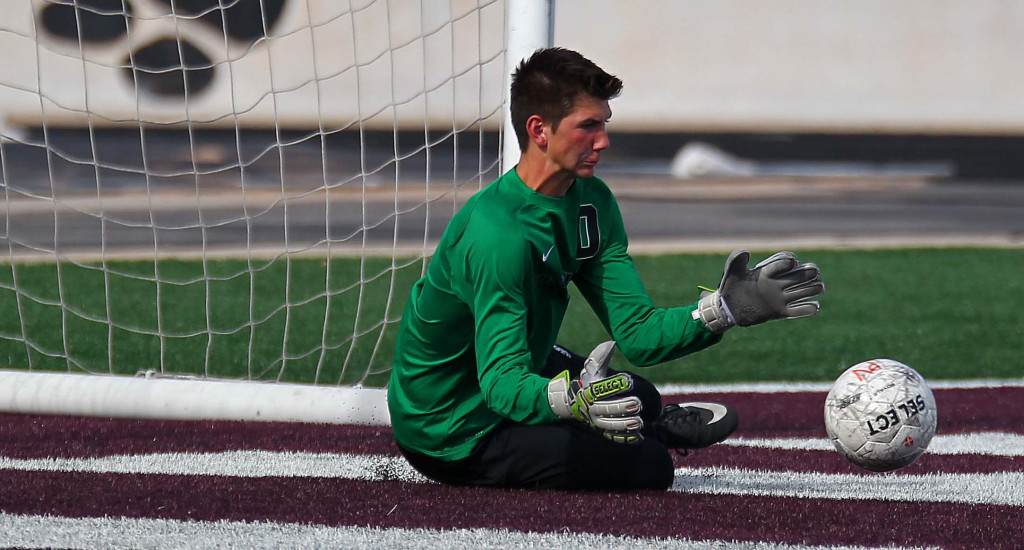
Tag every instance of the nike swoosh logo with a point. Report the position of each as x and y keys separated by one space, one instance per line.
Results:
x=718 y=411
x=544 y=258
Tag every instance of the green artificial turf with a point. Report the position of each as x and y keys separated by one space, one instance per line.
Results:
x=950 y=313
x=226 y=318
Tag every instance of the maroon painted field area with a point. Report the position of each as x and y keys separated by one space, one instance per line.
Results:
x=334 y=501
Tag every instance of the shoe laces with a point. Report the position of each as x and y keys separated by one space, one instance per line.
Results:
x=689 y=416
x=672 y=415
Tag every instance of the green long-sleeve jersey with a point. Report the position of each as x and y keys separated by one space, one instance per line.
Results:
x=479 y=325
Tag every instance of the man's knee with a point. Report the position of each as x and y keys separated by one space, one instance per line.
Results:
x=663 y=471
x=622 y=467
x=654 y=470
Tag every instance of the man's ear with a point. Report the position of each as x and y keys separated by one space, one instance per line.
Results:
x=535 y=129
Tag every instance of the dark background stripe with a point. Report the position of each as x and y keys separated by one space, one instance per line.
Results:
x=802 y=414
x=831 y=462
x=396 y=504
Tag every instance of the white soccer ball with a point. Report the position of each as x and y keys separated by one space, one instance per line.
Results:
x=880 y=415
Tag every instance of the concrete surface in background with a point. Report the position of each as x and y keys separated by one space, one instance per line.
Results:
x=660 y=215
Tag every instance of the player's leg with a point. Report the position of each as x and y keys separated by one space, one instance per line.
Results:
x=692 y=425
x=567 y=455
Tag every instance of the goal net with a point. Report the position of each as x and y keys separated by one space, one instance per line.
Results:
x=239 y=189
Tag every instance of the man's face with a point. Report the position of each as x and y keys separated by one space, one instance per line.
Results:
x=581 y=136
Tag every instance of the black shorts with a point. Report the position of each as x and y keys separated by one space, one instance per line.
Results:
x=564 y=455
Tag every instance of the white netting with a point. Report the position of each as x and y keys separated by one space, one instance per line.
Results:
x=176 y=174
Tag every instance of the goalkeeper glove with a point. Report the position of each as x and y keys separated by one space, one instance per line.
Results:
x=777 y=288
x=597 y=399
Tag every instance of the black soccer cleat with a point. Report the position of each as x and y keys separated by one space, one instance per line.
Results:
x=694 y=425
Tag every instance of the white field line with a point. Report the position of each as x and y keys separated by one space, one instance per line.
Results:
x=379 y=468
x=232 y=463
x=800 y=387
x=986 y=443
x=1004 y=488
x=998 y=488
x=57 y=532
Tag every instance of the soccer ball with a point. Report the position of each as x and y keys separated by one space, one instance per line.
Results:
x=880 y=415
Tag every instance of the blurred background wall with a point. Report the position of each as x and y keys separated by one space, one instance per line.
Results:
x=917 y=66
x=916 y=79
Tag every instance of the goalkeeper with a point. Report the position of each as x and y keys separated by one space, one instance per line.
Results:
x=480 y=395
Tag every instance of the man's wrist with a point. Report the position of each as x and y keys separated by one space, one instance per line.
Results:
x=714 y=313
x=560 y=397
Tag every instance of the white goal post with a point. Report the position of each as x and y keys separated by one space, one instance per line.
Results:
x=235 y=197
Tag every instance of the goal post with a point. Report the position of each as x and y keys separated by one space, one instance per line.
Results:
x=189 y=399
x=240 y=192
x=531 y=25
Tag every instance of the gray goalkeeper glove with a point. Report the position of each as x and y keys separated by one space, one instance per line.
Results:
x=779 y=287
x=597 y=399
